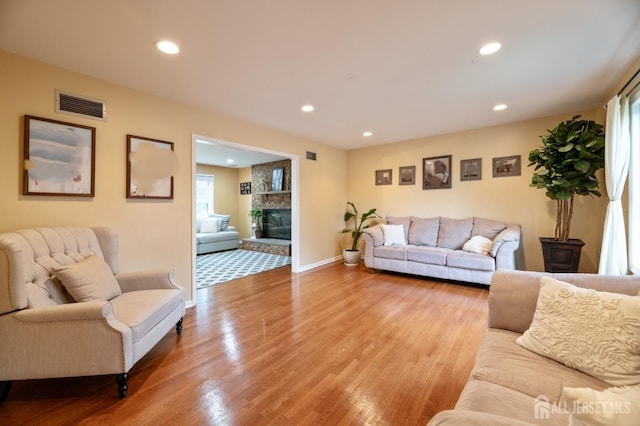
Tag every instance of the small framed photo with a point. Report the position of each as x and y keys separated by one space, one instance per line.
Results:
x=507 y=166
x=245 y=188
x=436 y=172
x=59 y=158
x=407 y=175
x=150 y=167
x=471 y=169
x=277 y=179
x=383 y=177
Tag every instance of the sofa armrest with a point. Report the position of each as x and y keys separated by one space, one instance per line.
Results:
x=510 y=234
x=95 y=309
x=472 y=418
x=56 y=342
x=371 y=237
x=146 y=280
x=506 y=255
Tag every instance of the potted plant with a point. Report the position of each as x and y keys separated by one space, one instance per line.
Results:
x=566 y=166
x=256 y=227
x=352 y=255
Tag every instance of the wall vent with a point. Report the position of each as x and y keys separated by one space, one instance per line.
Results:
x=68 y=103
x=311 y=156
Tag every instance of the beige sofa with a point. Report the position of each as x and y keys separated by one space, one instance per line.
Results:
x=437 y=247
x=511 y=385
x=64 y=314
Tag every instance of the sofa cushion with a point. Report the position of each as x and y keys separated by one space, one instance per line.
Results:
x=501 y=361
x=394 y=235
x=89 y=279
x=391 y=252
x=404 y=221
x=487 y=228
x=209 y=224
x=424 y=232
x=142 y=310
x=453 y=233
x=618 y=406
x=466 y=260
x=478 y=244
x=592 y=331
x=430 y=255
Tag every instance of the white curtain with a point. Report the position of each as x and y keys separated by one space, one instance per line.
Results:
x=634 y=187
x=613 y=258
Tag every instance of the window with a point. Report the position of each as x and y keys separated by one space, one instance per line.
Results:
x=204 y=195
x=634 y=184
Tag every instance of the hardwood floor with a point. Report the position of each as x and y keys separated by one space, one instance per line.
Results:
x=335 y=345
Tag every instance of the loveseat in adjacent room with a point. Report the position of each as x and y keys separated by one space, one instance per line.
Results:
x=213 y=234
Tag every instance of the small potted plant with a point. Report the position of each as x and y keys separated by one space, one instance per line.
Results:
x=566 y=166
x=256 y=227
x=352 y=255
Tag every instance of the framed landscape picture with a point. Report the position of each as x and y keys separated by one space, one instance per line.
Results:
x=150 y=167
x=506 y=166
x=436 y=172
x=59 y=158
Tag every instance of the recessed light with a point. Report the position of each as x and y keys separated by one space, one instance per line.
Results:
x=307 y=108
x=367 y=134
x=490 y=48
x=167 y=47
x=230 y=161
x=500 y=107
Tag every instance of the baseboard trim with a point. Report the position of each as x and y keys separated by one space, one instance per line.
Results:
x=319 y=264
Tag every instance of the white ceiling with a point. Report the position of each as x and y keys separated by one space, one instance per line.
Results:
x=221 y=154
x=402 y=69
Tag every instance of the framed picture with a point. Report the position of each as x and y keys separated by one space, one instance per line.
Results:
x=150 y=167
x=471 y=169
x=436 y=172
x=277 y=179
x=507 y=166
x=407 y=175
x=59 y=158
x=383 y=177
x=245 y=188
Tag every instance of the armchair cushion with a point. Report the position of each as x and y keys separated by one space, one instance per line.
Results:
x=89 y=279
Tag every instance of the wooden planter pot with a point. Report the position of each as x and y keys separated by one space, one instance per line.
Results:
x=561 y=256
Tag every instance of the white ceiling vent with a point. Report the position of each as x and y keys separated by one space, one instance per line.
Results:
x=68 y=103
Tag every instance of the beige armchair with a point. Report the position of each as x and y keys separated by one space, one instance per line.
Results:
x=65 y=310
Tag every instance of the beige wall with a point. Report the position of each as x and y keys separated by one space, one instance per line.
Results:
x=508 y=199
x=152 y=233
